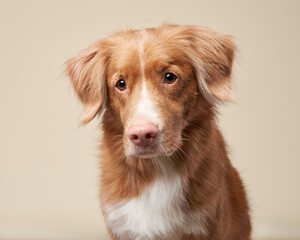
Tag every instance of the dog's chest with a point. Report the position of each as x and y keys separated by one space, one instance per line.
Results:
x=157 y=213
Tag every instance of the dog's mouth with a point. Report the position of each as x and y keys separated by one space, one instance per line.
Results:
x=153 y=151
x=145 y=152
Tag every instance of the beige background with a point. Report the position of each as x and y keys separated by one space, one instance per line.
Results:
x=49 y=166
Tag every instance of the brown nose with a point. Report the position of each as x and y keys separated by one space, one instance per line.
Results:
x=143 y=135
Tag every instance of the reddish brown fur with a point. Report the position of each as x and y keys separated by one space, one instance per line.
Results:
x=202 y=58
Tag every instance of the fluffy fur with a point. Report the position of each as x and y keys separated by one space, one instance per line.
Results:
x=182 y=184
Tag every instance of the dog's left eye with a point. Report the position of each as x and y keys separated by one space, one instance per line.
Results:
x=170 y=78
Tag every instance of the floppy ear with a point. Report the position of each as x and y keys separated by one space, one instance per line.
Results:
x=88 y=76
x=212 y=56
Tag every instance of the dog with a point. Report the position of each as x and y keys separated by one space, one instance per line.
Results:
x=165 y=171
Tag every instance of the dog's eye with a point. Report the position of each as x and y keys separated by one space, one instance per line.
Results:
x=170 y=78
x=121 y=85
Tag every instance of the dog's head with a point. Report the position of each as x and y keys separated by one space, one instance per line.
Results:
x=152 y=81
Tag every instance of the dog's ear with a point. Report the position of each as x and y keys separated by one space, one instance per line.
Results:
x=88 y=76
x=212 y=56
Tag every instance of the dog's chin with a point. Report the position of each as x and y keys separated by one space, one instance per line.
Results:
x=147 y=153
x=143 y=153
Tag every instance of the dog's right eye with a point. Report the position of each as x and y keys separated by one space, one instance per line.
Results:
x=121 y=85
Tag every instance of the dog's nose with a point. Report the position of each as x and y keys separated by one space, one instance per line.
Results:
x=142 y=135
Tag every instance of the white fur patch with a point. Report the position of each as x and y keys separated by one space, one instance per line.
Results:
x=158 y=213
x=146 y=107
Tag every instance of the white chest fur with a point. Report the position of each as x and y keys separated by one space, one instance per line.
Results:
x=155 y=214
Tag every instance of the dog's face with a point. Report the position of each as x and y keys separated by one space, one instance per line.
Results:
x=151 y=81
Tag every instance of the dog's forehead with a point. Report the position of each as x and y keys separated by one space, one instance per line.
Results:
x=144 y=48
